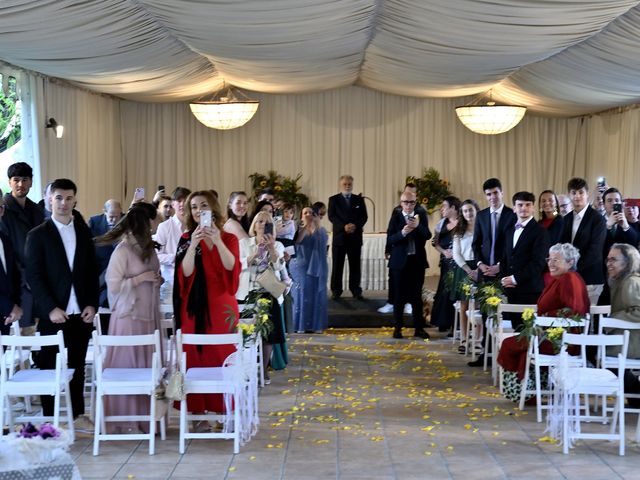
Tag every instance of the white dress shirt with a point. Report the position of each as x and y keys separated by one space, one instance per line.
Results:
x=518 y=231
x=168 y=235
x=68 y=235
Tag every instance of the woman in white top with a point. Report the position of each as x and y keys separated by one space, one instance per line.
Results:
x=463 y=256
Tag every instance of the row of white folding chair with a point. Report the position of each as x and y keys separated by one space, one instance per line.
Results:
x=537 y=360
x=18 y=359
x=124 y=382
x=609 y=361
x=228 y=380
x=572 y=383
x=470 y=335
x=32 y=381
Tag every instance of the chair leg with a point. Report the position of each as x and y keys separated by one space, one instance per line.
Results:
x=536 y=368
x=236 y=421
x=183 y=425
x=565 y=423
x=620 y=404
x=56 y=408
x=152 y=424
x=99 y=424
x=67 y=400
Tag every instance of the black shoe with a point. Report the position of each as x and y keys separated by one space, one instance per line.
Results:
x=358 y=296
x=421 y=334
x=479 y=362
x=397 y=333
x=336 y=295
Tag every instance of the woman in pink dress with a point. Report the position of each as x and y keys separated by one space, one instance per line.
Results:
x=207 y=274
x=133 y=284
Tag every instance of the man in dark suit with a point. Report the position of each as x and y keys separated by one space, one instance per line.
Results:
x=489 y=237
x=62 y=272
x=407 y=233
x=348 y=215
x=490 y=229
x=10 y=290
x=586 y=229
x=525 y=252
x=21 y=215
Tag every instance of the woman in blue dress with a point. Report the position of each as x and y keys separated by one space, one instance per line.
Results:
x=309 y=270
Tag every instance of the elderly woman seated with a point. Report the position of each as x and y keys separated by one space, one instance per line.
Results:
x=565 y=295
x=623 y=269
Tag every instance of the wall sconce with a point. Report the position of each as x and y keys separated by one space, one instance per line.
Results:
x=59 y=129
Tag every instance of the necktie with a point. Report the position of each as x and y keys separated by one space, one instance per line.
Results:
x=494 y=221
x=347 y=197
x=519 y=225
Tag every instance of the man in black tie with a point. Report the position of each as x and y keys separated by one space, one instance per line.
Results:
x=525 y=252
x=407 y=233
x=63 y=274
x=586 y=229
x=348 y=215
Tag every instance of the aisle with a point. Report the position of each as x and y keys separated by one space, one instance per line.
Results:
x=355 y=404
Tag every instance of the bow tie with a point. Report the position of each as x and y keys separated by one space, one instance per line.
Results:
x=519 y=225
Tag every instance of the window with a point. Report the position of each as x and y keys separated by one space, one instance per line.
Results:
x=10 y=126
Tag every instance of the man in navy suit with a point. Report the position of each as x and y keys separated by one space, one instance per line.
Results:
x=407 y=233
x=10 y=277
x=63 y=274
x=348 y=215
x=586 y=229
x=489 y=236
x=525 y=252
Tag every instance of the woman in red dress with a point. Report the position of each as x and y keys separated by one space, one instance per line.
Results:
x=207 y=273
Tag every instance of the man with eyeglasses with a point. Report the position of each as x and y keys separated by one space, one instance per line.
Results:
x=407 y=233
x=564 y=204
x=21 y=215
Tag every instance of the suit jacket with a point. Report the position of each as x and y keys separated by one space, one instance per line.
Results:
x=589 y=241
x=99 y=226
x=10 y=280
x=526 y=261
x=398 y=243
x=48 y=270
x=17 y=222
x=482 y=235
x=340 y=214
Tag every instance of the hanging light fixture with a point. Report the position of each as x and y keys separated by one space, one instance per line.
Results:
x=226 y=109
x=488 y=118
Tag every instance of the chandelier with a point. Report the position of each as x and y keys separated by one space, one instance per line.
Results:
x=489 y=118
x=226 y=109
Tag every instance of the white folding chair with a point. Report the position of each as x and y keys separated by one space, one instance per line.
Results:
x=538 y=360
x=609 y=361
x=596 y=312
x=90 y=371
x=497 y=332
x=18 y=359
x=32 y=381
x=474 y=320
x=126 y=381
x=228 y=380
x=571 y=383
x=457 y=333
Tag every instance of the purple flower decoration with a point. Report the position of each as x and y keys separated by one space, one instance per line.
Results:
x=29 y=431
x=49 y=431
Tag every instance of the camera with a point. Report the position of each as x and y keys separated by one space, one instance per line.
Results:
x=268 y=228
x=617 y=208
x=205 y=218
x=601 y=184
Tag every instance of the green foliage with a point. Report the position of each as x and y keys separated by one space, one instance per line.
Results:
x=10 y=124
x=431 y=189
x=284 y=188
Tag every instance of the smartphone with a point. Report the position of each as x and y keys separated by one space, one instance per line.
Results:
x=602 y=184
x=205 y=218
x=160 y=188
x=268 y=228
x=139 y=193
x=617 y=208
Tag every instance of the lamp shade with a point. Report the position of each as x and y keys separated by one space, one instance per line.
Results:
x=490 y=119
x=225 y=110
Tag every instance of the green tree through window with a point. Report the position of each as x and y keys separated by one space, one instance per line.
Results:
x=10 y=118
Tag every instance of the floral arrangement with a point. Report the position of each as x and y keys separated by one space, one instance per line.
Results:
x=431 y=189
x=466 y=286
x=38 y=444
x=284 y=188
x=255 y=318
x=552 y=334
x=488 y=297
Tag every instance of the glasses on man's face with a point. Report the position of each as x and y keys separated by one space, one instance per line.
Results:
x=408 y=202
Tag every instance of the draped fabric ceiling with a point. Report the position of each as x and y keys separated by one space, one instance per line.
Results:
x=564 y=57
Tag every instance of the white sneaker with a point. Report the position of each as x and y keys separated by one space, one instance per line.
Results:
x=407 y=309
x=386 y=308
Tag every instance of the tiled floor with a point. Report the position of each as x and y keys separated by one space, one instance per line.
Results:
x=358 y=405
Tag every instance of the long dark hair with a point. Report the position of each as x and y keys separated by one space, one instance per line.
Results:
x=555 y=197
x=461 y=227
x=244 y=221
x=137 y=223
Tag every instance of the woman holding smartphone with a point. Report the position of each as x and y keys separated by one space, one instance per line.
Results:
x=207 y=276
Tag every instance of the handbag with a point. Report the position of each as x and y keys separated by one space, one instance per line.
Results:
x=175 y=386
x=269 y=281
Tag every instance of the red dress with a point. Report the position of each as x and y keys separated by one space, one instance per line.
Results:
x=566 y=291
x=221 y=289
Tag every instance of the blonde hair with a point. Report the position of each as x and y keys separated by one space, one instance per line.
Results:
x=260 y=215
